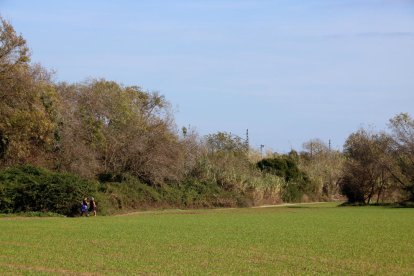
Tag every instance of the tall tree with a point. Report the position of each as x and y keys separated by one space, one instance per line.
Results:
x=13 y=48
x=122 y=129
x=368 y=165
x=402 y=127
x=27 y=103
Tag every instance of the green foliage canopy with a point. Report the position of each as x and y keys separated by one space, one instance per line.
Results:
x=30 y=189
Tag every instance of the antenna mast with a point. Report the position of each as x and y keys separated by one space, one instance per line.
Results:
x=247 y=139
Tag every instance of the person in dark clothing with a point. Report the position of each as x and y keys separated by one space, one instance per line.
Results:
x=92 y=206
x=84 y=207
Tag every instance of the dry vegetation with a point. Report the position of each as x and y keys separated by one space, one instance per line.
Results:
x=124 y=142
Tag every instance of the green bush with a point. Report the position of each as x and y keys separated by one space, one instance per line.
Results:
x=283 y=166
x=292 y=192
x=131 y=194
x=127 y=194
x=31 y=189
x=296 y=184
x=197 y=194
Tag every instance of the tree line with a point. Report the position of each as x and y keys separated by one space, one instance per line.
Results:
x=380 y=165
x=108 y=134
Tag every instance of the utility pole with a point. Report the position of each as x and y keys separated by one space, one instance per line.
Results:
x=247 y=139
x=311 y=149
x=261 y=150
x=329 y=144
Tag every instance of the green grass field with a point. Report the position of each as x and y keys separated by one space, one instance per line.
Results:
x=303 y=239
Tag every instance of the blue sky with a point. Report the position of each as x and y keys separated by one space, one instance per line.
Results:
x=288 y=70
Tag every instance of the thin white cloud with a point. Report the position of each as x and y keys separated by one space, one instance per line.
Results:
x=214 y=5
x=392 y=34
x=386 y=34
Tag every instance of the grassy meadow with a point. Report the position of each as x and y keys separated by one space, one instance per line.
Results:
x=299 y=239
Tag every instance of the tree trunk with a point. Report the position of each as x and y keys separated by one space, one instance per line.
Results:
x=381 y=187
x=371 y=193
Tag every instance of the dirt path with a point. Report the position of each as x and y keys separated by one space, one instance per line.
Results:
x=176 y=211
x=289 y=204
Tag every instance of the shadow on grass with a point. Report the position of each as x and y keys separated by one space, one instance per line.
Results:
x=31 y=214
x=404 y=204
x=297 y=206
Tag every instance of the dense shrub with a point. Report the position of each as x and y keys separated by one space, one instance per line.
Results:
x=296 y=183
x=352 y=190
x=283 y=166
x=131 y=194
x=292 y=192
x=28 y=189
x=198 y=193
x=31 y=189
x=126 y=192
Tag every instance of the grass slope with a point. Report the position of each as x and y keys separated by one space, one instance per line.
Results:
x=302 y=239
